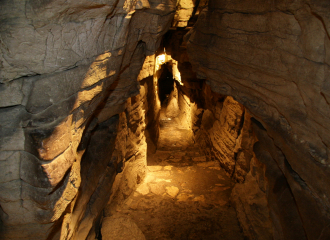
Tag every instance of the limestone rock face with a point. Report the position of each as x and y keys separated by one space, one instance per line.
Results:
x=252 y=209
x=96 y=181
x=272 y=57
x=62 y=35
x=283 y=208
x=224 y=131
x=67 y=70
x=184 y=12
x=222 y=128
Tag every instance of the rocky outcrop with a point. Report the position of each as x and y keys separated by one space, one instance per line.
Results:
x=272 y=57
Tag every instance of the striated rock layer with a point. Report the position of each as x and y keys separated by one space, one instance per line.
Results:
x=67 y=70
x=272 y=57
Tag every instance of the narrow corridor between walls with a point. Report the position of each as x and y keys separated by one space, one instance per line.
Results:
x=184 y=195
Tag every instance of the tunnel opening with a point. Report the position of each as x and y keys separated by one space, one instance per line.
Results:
x=165 y=84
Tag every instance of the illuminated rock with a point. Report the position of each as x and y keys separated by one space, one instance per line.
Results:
x=172 y=191
x=120 y=227
x=172 y=108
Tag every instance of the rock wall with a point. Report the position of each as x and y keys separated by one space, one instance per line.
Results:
x=252 y=209
x=149 y=75
x=224 y=131
x=222 y=127
x=125 y=154
x=272 y=57
x=67 y=70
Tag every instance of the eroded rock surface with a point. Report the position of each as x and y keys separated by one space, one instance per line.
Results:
x=252 y=209
x=272 y=57
x=67 y=69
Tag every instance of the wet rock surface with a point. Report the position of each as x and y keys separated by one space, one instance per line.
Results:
x=184 y=195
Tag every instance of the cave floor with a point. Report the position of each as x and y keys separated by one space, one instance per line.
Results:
x=184 y=196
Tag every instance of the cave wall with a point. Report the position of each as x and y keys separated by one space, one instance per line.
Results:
x=149 y=75
x=67 y=70
x=272 y=57
x=221 y=127
x=116 y=148
x=224 y=131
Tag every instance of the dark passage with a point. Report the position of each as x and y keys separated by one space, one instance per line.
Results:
x=165 y=84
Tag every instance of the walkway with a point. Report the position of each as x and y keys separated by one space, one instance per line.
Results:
x=184 y=196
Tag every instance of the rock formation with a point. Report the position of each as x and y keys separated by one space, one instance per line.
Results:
x=79 y=108
x=272 y=57
x=67 y=70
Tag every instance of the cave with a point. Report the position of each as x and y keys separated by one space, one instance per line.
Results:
x=172 y=119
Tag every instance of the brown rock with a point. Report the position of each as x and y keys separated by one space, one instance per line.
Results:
x=252 y=209
x=157 y=188
x=172 y=191
x=261 y=59
x=120 y=227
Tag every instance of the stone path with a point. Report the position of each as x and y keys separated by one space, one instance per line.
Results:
x=184 y=196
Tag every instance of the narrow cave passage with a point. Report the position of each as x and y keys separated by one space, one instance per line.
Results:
x=165 y=84
x=185 y=150
x=185 y=194
x=93 y=142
